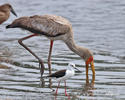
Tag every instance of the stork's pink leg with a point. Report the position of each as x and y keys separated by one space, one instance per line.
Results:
x=49 y=57
x=41 y=65
x=57 y=88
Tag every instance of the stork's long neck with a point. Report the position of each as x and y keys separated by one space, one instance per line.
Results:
x=72 y=46
x=81 y=51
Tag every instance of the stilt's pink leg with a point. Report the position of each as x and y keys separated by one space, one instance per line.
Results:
x=66 y=92
x=57 y=88
x=65 y=89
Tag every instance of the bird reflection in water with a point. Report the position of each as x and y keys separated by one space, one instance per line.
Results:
x=86 y=90
x=88 y=87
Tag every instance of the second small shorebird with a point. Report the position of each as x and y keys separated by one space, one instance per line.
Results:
x=5 y=10
x=63 y=75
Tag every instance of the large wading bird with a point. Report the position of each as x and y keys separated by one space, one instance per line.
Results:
x=54 y=28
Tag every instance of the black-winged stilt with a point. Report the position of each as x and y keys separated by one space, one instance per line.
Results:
x=62 y=75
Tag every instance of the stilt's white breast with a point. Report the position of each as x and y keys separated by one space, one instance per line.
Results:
x=69 y=73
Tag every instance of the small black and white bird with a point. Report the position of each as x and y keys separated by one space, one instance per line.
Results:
x=62 y=75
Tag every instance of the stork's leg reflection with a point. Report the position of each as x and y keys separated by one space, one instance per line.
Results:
x=89 y=86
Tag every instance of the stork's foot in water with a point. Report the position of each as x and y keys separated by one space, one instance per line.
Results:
x=41 y=67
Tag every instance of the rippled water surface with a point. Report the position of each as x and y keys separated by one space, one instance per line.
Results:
x=97 y=24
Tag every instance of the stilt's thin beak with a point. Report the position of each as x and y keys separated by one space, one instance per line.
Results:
x=12 y=10
x=77 y=69
x=93 y=68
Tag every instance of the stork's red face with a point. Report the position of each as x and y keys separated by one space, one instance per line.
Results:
x=91 y=62
x=88 y=61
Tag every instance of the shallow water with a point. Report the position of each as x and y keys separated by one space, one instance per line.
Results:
x=98 y=25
